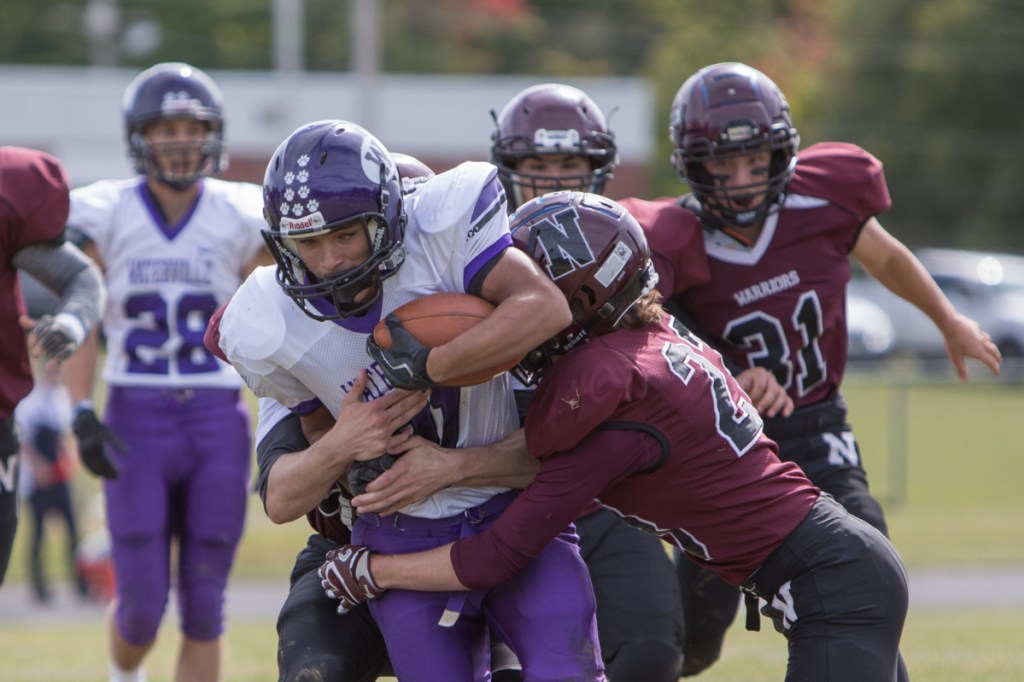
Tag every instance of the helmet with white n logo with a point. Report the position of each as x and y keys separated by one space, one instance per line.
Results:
x=597 y=255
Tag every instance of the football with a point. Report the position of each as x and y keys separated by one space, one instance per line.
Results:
x=435 y=320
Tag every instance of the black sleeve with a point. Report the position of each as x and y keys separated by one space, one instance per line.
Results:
x=284 y=437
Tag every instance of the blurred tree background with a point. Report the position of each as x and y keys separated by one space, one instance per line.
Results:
x=925 y=85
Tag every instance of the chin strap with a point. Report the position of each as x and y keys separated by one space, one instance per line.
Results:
x=712 y=222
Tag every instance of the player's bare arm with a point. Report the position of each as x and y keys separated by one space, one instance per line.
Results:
x=426 y=468
x=529 y=311
x=890 y=262
x=300 y=480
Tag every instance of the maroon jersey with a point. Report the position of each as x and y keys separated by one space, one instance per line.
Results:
x=677 y=254
x=33 y=209
x=781 y=303
x=648 y=422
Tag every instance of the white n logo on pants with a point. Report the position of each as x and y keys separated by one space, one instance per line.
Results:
x=8 y=470
x=782 y=603
x=843 y=451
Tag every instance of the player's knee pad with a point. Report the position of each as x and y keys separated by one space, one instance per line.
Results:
x=202 y=609
x=138 y=618
x=645 y=660
x=202 y=581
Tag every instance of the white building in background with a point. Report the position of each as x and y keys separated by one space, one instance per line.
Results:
x=74 y=113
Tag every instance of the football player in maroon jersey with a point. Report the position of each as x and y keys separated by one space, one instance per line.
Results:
x=33 y=211
x=637 y=412
x=552 y=137
x=779 y=229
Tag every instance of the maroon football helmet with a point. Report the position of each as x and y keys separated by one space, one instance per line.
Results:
x=597 y=255
x=409 y=167
x=731 y=109
x=552 y=119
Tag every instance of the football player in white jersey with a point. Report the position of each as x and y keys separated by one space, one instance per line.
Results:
x=351 y=247
x=174 y=244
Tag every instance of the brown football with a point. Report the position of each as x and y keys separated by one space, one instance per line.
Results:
x=435 y=320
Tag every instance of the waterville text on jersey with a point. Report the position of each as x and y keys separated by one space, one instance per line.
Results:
x=164 y=270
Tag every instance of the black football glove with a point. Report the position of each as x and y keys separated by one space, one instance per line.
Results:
x=93 y=438
x=405 y=363
x=362 y=473
x=59 y=336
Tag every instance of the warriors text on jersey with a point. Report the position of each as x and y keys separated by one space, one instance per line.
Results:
x=605 y=423
x=33 y=209
x=456 y=226
x=165 y=281
x=781 y=303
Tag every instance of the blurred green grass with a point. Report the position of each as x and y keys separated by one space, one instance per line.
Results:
x=944 y=459
x=939 y=645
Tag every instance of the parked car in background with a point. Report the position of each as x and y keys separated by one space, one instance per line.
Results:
x=869 y=329
x=986 y=286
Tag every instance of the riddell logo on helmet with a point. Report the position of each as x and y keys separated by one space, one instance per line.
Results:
x=178 y=102
x=304 y=224
x=740 y=132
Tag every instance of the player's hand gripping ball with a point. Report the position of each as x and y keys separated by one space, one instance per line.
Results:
x=345 y=575
x=401 y=342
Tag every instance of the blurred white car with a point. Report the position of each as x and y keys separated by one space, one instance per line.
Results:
x=985 y=286
x=869 y=329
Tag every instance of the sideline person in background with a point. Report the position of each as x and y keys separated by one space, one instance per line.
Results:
x=48 y=462
x=33 y=213
x=635 y=411
x=547 y=138
x=174 y=244
x=779 y=228
x=351 y=247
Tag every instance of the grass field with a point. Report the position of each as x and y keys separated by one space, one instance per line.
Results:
x=945 y=459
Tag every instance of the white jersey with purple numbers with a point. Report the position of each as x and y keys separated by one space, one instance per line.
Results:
x=456 y=225
x=165 y=282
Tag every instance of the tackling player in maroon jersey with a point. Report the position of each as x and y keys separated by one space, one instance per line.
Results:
x=635 y=411
x=779 y=229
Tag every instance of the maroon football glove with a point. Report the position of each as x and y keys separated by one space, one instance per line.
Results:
x=345 y=575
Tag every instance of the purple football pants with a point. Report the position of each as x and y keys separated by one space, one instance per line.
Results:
x=183 y=476
x=546 y=614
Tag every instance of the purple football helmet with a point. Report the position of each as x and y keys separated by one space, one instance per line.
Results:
x=725 y=110
x=596 y=254
x=174 y=90
x=327 y=175
x=552 y=119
